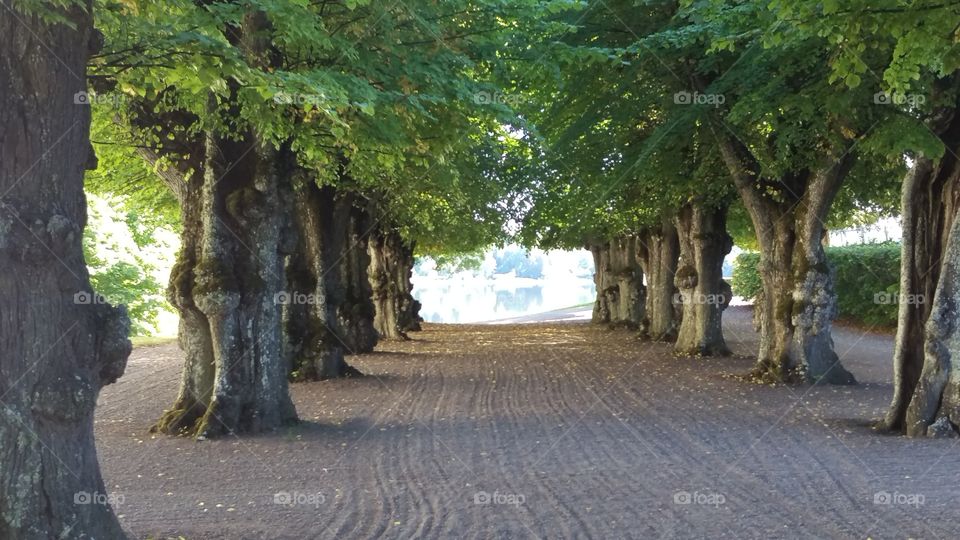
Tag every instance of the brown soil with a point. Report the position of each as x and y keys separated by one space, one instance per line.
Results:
x=574 y=431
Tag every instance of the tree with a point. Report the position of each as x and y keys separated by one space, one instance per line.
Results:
x=704 y=242
x=315 y=88
x=58 y=347
x=916 y=43
x=230 y=271
x=789 y=141
x=391 y=269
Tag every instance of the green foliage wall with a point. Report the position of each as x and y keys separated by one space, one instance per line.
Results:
x=746 y=277
x=867 y=281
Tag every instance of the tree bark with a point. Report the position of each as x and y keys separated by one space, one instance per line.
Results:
x=618 y=277
x=659 y=252
x=704 y=242
x=227 y=279
x=348 y=286
x=314 y=342
x=59 y=343
x=409 y=319
x=391 y=267
x=329 y=312
x=601 y=282
x=926 y=398
x=798 y=303
x=226 y=282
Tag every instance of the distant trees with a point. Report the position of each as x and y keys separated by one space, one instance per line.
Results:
x=522 y=264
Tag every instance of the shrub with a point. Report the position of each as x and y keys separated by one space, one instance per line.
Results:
x=746 y=278
x=867 y=280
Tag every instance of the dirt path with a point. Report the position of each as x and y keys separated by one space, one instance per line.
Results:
x=550 y=430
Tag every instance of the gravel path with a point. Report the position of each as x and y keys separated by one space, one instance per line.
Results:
x=546 y=430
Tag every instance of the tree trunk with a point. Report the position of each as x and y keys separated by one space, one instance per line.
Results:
x=59 y=343
x=409 y=318
x=316 y=343
x=798 y=302
x=226 y=283
x=621 y=295
x=704 y=243
x=926 y=398
x=348 y=286
x=659 y=249
x=391 y=267
x=602 y=283
x=313 y=343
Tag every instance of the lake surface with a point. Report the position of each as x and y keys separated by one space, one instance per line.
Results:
x=459 y=300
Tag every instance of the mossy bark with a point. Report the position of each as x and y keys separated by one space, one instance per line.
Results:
x=659 y=252
x=227 y=280
x=798 y=301
x=704 y=242
x=59 y=344
x=926 y=399
x=391 y=269
x=313 y=338
x=618 y=277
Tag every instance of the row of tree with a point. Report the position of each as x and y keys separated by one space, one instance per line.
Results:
x=672 y=126
x=284 y=132
x=308 y=148
x=304 y=149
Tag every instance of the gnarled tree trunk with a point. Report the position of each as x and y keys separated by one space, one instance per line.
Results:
x=798 y=301
x=659 y=252
x=409 y=319
x=346 y=230
x=59 y=343
x=229 y=275
x=704 y=242
x=313 y=344
x=926 y=397
x=618 y=278
x=602 y=282
x=226 y=284
x=391 y=267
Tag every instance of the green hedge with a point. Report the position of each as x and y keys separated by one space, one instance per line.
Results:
x=867 y=280
x=746 y=278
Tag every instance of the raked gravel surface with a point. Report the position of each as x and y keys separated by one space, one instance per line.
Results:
x=555 y=429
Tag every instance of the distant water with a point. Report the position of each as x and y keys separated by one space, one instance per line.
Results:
x=457 y=300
